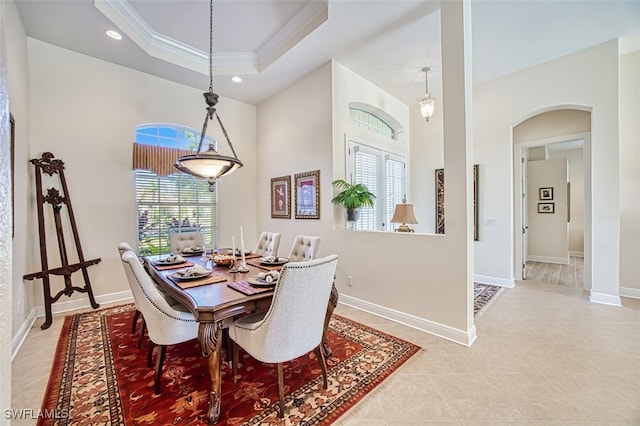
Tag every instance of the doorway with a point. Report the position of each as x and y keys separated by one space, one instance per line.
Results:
x=554 y=136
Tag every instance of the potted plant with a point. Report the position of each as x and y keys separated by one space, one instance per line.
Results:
x=353 y=197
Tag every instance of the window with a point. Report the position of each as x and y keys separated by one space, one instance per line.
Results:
x=176 y=202
x=371 y=122
x=377 y=159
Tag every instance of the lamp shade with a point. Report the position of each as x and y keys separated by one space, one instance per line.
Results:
x=208 y=164
x=427 y=106
x=404 y=214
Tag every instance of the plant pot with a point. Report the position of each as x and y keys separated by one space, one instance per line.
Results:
x=352 y=215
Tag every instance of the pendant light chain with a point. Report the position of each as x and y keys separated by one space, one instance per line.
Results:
x=211 y=46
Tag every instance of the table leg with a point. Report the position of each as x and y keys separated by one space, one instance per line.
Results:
x=209 y=337
x=333 y=302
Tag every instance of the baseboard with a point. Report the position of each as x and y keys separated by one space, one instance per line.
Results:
x=500 y=282
x=22 y=333
x=462 y=337
x=605 y=299
x=548 y=259
x=576 y=253
x=632 y=293
x=61 y=307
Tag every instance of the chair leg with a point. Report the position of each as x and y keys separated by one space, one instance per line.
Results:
x=159 y=362
x=235 y=362
x=281 y=389
x=150 y=354
x=135 y=321
x=320 y=355
x=141 y=335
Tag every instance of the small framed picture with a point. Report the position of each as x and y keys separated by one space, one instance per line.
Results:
x=545 y=193
x=307 y=187
x=546 y=207
x=281 y=197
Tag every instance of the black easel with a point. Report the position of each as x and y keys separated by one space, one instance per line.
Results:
x=47 y=164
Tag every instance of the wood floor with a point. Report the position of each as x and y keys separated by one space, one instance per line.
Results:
x=571 y=275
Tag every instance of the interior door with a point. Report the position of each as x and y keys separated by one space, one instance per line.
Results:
x=524 y=156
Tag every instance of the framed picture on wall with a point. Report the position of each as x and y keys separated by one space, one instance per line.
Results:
x=546 y=207
x=440 y=201
x=281 y=197
x=307 y=187
x=545 y=193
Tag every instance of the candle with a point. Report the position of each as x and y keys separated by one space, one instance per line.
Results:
x=242 y=240
x=233 y=242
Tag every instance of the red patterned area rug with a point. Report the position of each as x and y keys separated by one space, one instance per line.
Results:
x=100 y=376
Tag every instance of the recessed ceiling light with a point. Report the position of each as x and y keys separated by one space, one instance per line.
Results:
x=236 y=79
x=113 y=34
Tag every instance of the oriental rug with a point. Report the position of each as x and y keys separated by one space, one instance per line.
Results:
x=100 y=376
x=482 y=295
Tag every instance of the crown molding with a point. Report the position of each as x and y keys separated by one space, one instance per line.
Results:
x=157 y=45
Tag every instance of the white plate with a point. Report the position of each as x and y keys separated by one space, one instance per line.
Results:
x=279 y=261
x=167 y=262
x=190 y=251
x=181 y=277
x=260 y=282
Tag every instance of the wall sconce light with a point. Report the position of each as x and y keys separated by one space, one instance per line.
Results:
x=427 y=103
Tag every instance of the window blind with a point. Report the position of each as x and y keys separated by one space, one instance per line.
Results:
x=367 y=167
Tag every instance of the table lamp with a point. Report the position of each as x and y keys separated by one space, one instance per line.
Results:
x=404 y=214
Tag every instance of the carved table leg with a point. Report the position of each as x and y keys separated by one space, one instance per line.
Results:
x=209 y=337
x=333 y=302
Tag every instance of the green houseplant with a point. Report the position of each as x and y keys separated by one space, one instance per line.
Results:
x=352 y=196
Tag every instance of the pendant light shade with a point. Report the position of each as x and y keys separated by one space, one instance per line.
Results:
x=209 y=164
x=427 y=103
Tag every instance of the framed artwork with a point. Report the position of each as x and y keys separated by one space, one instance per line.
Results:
x=307 y=187
x=281 y=197
x=440 y=201
x=546 y=207
x=545 y=193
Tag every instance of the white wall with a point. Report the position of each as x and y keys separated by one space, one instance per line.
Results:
x=630 y=174
x=575 y=164
x=548 y=232
x=85 y=112
x=588 y=79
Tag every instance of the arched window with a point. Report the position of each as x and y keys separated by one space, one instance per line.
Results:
x=167 y=200
x=380 y=166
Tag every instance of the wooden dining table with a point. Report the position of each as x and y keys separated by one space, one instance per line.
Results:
x=215 y=304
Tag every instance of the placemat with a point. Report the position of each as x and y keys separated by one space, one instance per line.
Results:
x=184 y=264
x=256 y=263
x=211 y=279
x=246 y=288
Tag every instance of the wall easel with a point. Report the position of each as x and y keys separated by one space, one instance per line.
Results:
x=49 y=165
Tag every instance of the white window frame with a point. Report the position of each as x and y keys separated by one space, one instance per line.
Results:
x=383 y=211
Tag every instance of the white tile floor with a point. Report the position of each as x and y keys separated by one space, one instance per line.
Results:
x=545 y=355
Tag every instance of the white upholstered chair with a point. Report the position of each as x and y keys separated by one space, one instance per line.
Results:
x=122 y=248
x=268 y=244
x=294 y=323
x=304 y=248
x=166 y=324
x=181 y=240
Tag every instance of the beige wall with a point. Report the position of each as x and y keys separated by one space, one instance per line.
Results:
x=88 y=119
x=551 y=124
x=630 y=174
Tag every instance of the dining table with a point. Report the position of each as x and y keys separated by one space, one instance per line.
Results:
x=217 y=299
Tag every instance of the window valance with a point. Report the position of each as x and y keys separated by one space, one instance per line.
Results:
x=157 y=159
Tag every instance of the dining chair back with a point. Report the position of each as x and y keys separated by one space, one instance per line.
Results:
x=304 y=248
x=122 y=248
x=181 y=240
x=294 y=323
x=166 y=324
x=268 y=244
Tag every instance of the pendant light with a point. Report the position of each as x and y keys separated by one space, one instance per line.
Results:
x=427 y=103
x=209 y=164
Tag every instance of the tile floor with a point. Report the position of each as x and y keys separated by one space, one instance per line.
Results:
x=545 y=356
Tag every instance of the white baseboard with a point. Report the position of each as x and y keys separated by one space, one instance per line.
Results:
x=632 y=293
x=549 y=259
x=576 y=253
x=61 y=307
x=462 y=337
x=501 y=282
x=605 y=299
